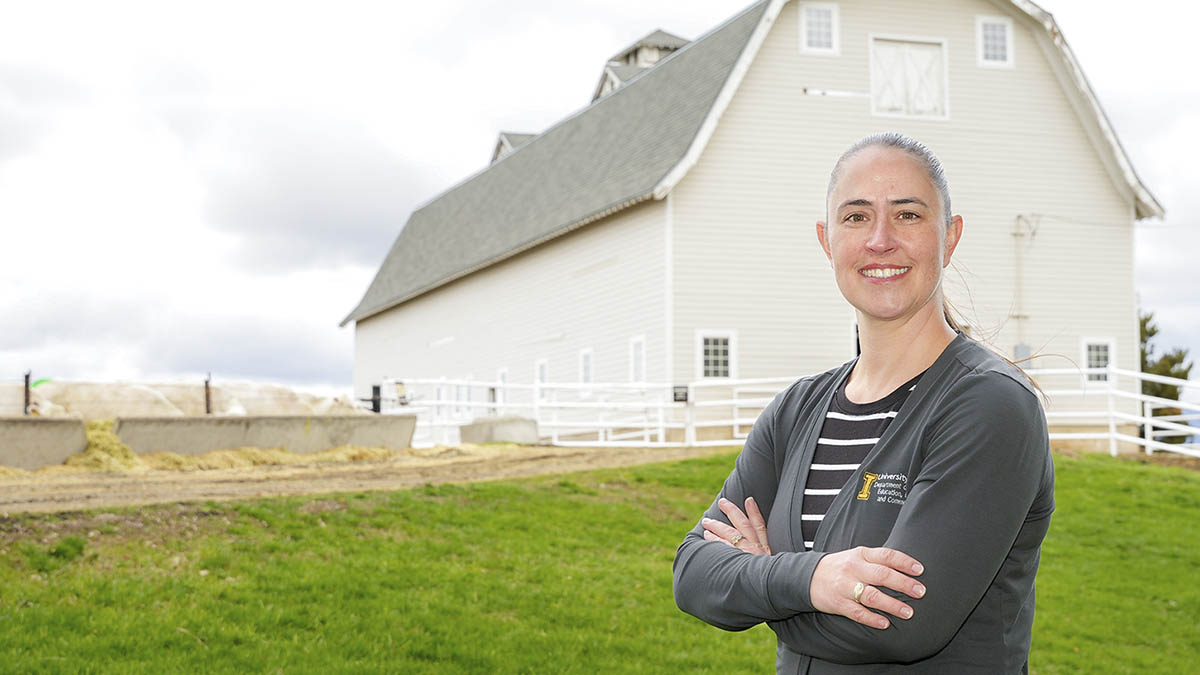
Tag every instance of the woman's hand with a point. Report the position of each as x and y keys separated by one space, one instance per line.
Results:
x=836 y=578
x=749 y=531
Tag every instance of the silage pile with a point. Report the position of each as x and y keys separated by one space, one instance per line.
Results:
x=106 y=453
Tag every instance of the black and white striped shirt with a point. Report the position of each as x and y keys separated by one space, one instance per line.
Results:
x=849 y=432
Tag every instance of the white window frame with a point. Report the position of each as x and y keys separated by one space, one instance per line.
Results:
x=1084 y=342
x=636 y=342
x=872 y=37
x=591 y=369
x=1010 y=61
x=698 y=351
x=835 y=27
x=541 y=377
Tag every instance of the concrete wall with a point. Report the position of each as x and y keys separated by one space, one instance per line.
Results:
x=295 y=433
x=31 y=442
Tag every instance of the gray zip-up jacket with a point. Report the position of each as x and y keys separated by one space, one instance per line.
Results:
x=962 y=480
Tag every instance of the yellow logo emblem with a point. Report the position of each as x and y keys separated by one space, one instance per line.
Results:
x=868 y=480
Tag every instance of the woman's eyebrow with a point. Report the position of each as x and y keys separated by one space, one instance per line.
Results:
x=907 y=200
x=856 y=202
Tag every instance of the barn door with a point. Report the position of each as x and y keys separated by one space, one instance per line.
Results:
x=908 y=78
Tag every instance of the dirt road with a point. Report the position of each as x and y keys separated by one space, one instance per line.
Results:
x=71 y=492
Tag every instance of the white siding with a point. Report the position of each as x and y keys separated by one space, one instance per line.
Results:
x=745 y=250
x=596 y=287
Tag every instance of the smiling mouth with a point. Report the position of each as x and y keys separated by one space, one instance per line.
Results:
x=884 y=272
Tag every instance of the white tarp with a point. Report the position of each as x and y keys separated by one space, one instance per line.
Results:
x=108 y=400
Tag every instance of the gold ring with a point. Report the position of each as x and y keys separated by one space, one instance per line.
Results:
x=736 y=538
x=858 y=591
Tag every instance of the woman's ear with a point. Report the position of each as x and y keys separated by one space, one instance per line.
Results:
x=953 y=234
x=823 y=237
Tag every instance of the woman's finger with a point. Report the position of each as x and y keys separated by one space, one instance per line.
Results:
x=720 y=529
x=887 y=577
x=856 y=611
x=758 y=523
x=874 y=598
x=739 y=520
x=890 y=557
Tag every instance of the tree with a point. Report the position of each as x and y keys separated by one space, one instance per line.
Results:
x=1170 y=364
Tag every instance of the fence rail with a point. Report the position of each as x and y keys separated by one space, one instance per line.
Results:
x=721 y=412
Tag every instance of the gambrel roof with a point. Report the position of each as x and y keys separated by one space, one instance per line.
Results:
x=609 y=155
x=635 y=143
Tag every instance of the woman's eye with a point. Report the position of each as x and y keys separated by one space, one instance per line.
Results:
x=855 y=218
x=909 y=215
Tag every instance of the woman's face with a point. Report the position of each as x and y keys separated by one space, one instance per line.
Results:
x=885 y=238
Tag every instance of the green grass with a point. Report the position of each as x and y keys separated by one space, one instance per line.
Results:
x=557 y=574
x=1119 y=584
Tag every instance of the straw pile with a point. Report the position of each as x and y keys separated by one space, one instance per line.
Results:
x=246 y=457
x=105 y=452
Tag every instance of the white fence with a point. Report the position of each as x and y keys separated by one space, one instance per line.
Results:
x=721 y=412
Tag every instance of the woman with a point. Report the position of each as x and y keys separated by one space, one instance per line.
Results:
x=894 y=506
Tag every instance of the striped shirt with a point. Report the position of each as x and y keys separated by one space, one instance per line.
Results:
x=849 y=432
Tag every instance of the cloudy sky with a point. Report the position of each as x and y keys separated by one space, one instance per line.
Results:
x=189 y=187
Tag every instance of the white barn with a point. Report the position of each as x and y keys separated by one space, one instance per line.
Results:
x=664 y=232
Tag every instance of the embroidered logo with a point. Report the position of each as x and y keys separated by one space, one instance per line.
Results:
x=868 y=480
x=884 y=488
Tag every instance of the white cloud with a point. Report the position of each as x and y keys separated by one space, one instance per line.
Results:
x=195 y=186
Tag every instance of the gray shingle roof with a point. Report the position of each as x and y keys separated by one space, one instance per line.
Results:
x=517 y=140
x=605 y=157
x=508 y=141
x=625 y=73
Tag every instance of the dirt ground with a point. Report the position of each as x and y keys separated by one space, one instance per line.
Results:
x=54 y=492
x=62 y=489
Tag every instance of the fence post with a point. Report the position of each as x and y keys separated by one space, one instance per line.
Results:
x=537 y=398
x=689 y=431
x=208 y=395
x=25 y=410
x=1112 y=420
x=554 y=416
x=662 y=430
x=1147 y=428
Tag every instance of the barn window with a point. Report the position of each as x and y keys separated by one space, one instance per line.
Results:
x=994 y=41
x=637 y=358
x=1098 y=353
x=716 y=353
x=585 y=366
x=908 y=78
x=819 y=28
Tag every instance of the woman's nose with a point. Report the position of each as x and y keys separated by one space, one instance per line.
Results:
x=882 y=238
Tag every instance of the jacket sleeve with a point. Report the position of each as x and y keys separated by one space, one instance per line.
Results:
x=986 y=457
x=726 y=587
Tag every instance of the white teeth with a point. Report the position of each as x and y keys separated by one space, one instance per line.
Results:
x=884 y=273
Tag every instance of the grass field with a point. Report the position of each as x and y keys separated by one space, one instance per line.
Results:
x=559 y=574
